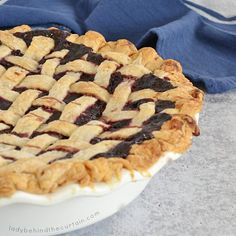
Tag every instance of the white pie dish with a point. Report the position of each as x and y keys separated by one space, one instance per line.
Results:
x=84 y=206
x=19 y=219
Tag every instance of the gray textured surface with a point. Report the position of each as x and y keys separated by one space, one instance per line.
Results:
x=196 y=195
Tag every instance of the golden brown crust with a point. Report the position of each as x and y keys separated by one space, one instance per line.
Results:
x=37 y=175
x=20 y=28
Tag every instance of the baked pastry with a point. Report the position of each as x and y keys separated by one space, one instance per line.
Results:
x=78 y=109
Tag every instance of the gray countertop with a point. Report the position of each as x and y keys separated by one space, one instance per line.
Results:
x=196 y=195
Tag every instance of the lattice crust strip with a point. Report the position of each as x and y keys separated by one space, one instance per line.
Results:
x=80 y=109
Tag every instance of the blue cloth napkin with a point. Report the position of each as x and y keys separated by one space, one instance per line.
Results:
x=206 y=50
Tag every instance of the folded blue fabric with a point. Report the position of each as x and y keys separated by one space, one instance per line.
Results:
x=206 y=50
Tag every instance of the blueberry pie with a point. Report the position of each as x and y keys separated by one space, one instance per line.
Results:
x=78 y=109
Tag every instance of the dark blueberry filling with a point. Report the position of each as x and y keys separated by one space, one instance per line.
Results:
x=43 y=93
x=6 y=64
x=151 y=81
x=118 y=125
x=95 y=58
x=58 y=76
x=48 y=109
x=122 y=149
x=31 y=108
x=22 y=89
x=4 y=104
x=6 y=131
x=76 y=51
x=16 y=53
x=160 y=105
x=71 y=97
x=42 y=61
x=115 y=80
x=54 y=112
x=86 y=77
x=35 y=133
x=58 y=36
x=94 y=112
x=55 y=116
x=19 y=89
x=95 y=140
x=163 y=104
x=135 y=105
x=33 y=72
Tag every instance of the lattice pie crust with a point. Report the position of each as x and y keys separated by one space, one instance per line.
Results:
x=78 y=109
